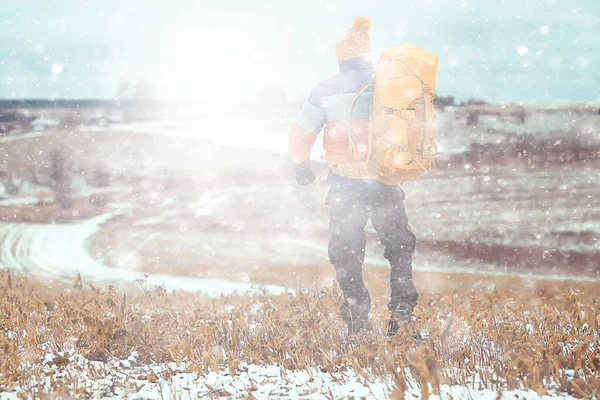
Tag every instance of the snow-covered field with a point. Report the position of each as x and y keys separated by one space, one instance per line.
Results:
x=211 y=234
x=60 y=252
x=130 y=379
x=514 y=208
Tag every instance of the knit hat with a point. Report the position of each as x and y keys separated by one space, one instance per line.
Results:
x=355 y=42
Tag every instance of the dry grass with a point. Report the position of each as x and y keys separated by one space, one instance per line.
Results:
x=498 y=338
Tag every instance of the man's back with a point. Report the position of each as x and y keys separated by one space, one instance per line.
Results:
x=328 y=106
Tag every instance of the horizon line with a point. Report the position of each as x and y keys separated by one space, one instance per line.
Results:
x=4 y=101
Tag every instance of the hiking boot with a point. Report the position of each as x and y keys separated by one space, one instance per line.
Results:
x=400 y=317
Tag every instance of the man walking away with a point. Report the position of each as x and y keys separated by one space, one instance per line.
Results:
x=354 y=201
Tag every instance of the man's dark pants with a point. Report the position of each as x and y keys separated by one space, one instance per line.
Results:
x=352 y=203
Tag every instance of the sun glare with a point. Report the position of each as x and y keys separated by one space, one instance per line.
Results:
x=194 y=69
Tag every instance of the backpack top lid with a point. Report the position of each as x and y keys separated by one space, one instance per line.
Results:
x=402 y=73
x=425 y=63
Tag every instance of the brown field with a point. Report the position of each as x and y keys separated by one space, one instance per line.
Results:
x=512 y=334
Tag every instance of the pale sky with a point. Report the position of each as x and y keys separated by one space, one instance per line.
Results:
x=530 y=51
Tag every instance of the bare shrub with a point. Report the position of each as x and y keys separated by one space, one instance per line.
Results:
x=97 y=176
x=61 y=178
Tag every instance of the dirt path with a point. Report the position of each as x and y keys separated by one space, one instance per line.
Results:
x=60 y=252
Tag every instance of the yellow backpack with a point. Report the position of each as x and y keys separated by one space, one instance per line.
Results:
x=401 y=136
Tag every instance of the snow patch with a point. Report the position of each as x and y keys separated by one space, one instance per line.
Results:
x=262 y=381
x=59 y=251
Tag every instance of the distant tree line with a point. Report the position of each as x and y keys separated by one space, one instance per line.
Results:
x=528 y=149
x=449 y=101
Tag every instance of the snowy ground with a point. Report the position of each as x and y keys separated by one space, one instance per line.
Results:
x=129 y=379
x=501 y=207
x=61 y=251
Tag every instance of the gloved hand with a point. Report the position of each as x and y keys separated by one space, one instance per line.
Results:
x=304 y=173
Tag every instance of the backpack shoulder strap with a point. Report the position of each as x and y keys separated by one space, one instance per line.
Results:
x=365 y=87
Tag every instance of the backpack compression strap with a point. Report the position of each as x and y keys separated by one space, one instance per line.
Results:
x=351 y=145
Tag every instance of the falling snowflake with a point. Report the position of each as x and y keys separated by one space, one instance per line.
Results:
x=57 y=69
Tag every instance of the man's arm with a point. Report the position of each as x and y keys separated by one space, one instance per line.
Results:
x=303 y=133
x=302 y=137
